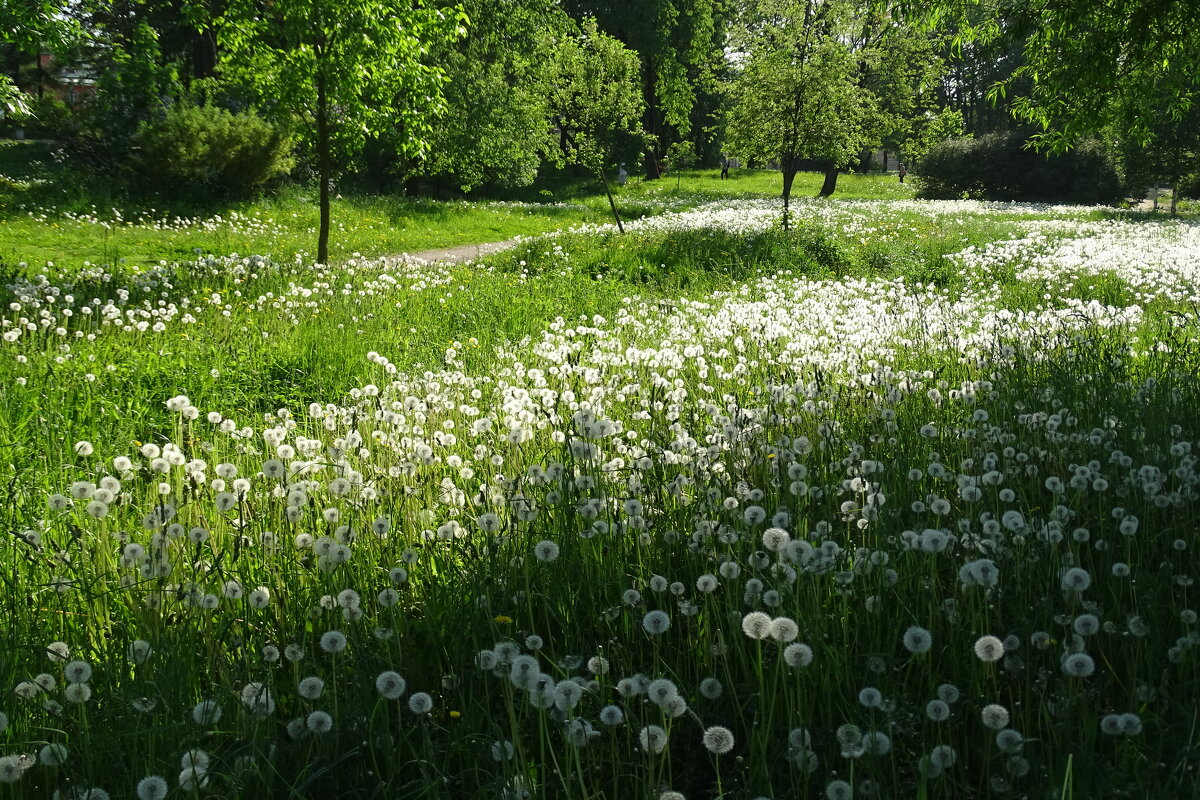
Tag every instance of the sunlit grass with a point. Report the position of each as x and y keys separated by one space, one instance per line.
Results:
x=707 y=477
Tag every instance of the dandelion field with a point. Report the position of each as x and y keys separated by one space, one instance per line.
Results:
x=900 y=503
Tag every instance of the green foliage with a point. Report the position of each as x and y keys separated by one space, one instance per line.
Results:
x=27 y=25
x=496 y=122
x=595 y=100
x=680 y=44
x=1001 y=167
x=205 y=150
x=931 y=131
x=824 y=81
x=1087 y=65
x=348 y=69
x=797 y=97
x=1169 y=154
x=47 y=118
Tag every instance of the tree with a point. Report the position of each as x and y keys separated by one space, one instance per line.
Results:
x=1090 y=63
x=595 y=102
x=346 y=68
x=1170 y=154
x=797 y=98
x=496 y=123
x=822 y=80
x=26 y=25
x=681 y=47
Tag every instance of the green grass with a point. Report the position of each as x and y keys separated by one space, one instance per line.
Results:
x=34 y=228
x=683 y=340
x=769 y=183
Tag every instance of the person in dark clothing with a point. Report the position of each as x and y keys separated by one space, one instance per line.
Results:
x=903 y=172
x=724 y=166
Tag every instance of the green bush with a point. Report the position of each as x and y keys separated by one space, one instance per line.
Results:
x=208 y=150
x=1189 y=187
x=48 y=116
x=1000 y=167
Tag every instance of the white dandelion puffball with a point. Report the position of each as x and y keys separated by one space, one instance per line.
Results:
x=319 y=722
x=994 y=716
x=333 y=641
x=310 y=688
x=917 y=640
x=797 y=655
x=206 y=712
x=653 y=739
x=656 y=622
x=784 y=630
x=545 y=551
x=839 y=790
x=152 y=787
x=1079 y=665
x=420 y=703
x=756 y=625
x=989 y=648
x=390 y=684
x=718 y=740
x=612 y=716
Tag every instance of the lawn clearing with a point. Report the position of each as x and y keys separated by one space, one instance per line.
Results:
x=709 y=508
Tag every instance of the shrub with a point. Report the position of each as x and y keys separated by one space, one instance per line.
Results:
x=1000 y=167
x=47 y=118
x=211 y=151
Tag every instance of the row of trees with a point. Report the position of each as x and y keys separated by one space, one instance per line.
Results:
x=485 y=91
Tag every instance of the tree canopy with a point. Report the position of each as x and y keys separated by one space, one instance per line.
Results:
x=346 y=68
x=1089 y=63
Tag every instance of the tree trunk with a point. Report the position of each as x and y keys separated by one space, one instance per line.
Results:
x=650 y=122
x=651 y=165
x=204 y=55
x=830 y=185
x=611 y=203
x=323 y=167
x=789 y=175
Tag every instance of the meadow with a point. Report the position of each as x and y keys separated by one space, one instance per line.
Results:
x=898 y=503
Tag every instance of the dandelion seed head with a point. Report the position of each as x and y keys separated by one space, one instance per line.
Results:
x=1078 y=665
x=718 y=740
x=994 y=716
x=333 y=641
x=420 y=703
x=152 y=787
x=319 y=722
x=797 y=655
x=545 y=551
x=917 y=640
x=652 y=738
x=656 y=622
x=756 y=625
x=989 y=649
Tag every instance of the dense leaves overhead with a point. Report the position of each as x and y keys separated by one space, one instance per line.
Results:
x=1090 y=63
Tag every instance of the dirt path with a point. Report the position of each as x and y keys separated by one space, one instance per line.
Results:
x=466 y=252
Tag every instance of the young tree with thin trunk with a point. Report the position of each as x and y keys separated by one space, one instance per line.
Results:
x=346 y=69
x=595 y=102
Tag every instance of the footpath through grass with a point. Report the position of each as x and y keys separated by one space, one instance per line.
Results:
x=48 y=215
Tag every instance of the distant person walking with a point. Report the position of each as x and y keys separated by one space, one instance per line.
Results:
x=724 y=166
x=903 y=172
x=622 y=175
